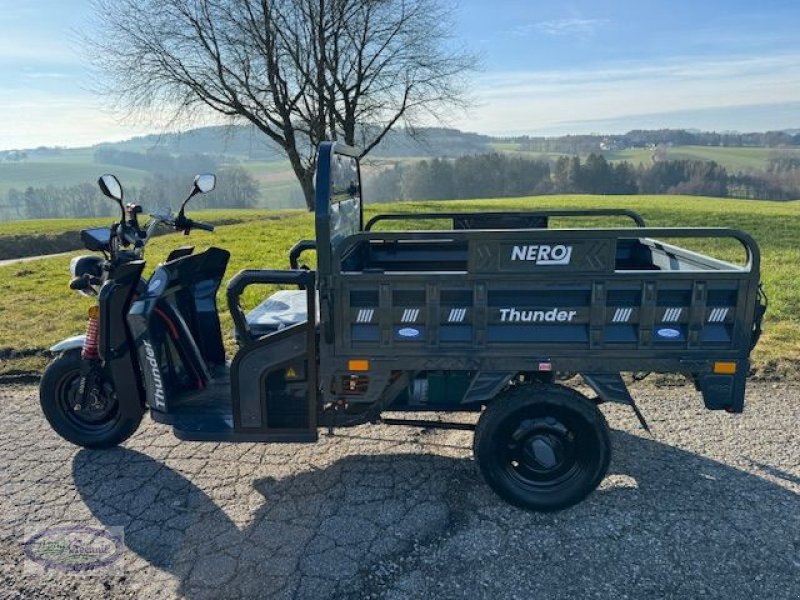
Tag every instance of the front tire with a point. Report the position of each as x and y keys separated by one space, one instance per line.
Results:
x=542 y=447
x=99 y=426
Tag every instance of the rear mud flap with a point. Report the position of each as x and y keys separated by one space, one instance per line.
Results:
x=486 y=385
x=723 y=392
x=610 y=387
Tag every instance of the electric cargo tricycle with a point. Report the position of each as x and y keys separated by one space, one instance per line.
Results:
x=479 y=317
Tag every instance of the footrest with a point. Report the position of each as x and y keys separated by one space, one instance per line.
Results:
x=216 y=428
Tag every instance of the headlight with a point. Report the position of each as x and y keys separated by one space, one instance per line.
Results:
x=157 y=282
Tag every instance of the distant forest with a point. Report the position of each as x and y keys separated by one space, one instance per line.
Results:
x=236 y=188
x=500 y=175
x=430 y=163
x=638 y=138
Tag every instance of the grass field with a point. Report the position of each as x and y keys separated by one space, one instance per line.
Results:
x=733 y=159
x=515 y=148
x=54 y=226
x=54 y=236
x=60 y=173
x=37 y=309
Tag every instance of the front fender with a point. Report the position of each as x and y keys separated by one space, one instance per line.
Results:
x=71 y=343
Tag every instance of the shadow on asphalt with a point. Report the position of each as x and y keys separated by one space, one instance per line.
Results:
x=686 y=502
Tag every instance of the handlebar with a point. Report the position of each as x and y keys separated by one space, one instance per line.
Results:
x=128 y=235
x=200 y=225
x=128 y=232
x=185 y=224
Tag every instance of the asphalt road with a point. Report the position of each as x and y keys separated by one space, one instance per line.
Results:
x=709 y=506
x=13 y=261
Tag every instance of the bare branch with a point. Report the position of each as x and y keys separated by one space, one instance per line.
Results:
x=301 y=71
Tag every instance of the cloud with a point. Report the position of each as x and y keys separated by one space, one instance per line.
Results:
x=17 y=49
x=750 y=117
x=537 y=100
x=563 y=27
x=741 y=71
x=46 y=75
x=34 y=118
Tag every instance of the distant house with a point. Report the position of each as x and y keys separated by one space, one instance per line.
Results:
x=658 y=152
x=610 y=145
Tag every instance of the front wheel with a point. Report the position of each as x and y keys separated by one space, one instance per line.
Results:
x=542 y=447
x=92 y=420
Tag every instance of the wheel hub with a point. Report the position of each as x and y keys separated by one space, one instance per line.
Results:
x=543 y=451
x=94 y=406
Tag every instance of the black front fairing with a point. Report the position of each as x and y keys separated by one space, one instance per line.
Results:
x=115 y=344
x=175 y=326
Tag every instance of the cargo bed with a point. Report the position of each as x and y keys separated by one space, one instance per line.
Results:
x=503 y=294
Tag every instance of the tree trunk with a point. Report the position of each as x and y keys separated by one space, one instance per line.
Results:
x=304 y=173
x=307 y=184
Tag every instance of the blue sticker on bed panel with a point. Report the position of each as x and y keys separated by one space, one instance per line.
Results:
x=409 y=334
x=669 y=334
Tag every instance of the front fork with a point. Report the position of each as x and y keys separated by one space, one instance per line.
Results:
x=91 y=383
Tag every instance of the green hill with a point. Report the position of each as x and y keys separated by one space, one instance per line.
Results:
x=243 y=146
x=69 y=167
x=239 y=146
x=732 y=158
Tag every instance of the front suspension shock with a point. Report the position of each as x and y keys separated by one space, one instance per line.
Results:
x=90 y=345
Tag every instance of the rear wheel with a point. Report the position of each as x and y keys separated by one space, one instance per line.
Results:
x=542 y=447
x=92 y=420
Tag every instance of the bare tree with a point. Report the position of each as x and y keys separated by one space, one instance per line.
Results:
x=301 y=71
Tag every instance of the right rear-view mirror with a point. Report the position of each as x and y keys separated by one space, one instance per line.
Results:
x=205 y=183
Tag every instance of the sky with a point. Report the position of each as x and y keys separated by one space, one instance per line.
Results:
x=548 y=68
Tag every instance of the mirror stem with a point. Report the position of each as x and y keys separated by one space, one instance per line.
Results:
x=183 y=206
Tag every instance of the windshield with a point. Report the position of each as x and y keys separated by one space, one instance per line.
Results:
x=345 y=199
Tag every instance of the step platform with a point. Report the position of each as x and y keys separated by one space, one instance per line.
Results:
x=207 y=416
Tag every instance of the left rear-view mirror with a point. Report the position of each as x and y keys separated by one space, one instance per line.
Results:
x=111 y=187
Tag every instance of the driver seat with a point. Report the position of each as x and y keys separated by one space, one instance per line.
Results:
x=279 y=311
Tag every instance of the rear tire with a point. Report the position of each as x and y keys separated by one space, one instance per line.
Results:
x=103 y=427
x=542 y=447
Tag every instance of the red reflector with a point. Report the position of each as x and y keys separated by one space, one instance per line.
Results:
x=545 y=366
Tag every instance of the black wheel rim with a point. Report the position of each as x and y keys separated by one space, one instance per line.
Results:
x=544 y=451
x=93 y=416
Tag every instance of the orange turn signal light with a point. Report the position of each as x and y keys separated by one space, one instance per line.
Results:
x=725 y=368
x=358 y=365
